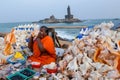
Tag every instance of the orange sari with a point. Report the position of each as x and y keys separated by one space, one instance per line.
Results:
x=40 y=57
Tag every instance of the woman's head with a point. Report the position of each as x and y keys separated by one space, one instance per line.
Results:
x=43 y=32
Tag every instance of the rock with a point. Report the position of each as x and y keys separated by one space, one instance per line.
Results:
x=65 y=46
x=2 y=34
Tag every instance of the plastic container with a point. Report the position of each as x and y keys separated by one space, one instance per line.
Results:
x=17 y=61
x=16 y=76
x=27 y=72
x=36 y=65
x=24 y=74
x=51 y=70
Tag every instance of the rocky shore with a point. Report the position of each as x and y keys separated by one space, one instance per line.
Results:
x=2 y=34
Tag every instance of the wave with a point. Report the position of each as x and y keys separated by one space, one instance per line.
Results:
x=67 y=33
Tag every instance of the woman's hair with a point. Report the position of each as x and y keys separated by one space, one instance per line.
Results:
x=46 y=29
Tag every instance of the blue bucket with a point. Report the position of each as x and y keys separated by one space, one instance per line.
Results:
x=17 y=61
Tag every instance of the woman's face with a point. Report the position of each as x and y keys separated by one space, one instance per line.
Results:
x=42 y=33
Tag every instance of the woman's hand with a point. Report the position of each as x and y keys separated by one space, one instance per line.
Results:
x=38 y=36
x=40 y=45
x=31 y=36
x=30 y=43
x=38 y=39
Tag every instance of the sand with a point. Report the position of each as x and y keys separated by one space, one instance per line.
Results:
x=65 y=44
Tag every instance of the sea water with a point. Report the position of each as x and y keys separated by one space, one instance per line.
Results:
x=66 y=32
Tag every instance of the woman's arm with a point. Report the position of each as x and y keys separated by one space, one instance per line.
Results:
x=30 y=44
x=40 y=45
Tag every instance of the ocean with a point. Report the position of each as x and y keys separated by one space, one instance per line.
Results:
x=64 y=32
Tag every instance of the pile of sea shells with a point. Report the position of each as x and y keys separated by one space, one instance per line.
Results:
x=22 y=34
x=2 y=45
x=95 y=56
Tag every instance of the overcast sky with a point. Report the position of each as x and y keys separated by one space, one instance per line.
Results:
x=34 y=10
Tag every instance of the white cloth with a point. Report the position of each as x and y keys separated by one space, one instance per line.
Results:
x=59 y=51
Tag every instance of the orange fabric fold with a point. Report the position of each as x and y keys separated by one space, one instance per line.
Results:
x=44 y=59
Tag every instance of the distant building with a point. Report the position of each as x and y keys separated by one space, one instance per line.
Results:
x=68 y=18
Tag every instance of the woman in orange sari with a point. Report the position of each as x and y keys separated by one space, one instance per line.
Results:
x=42 y=47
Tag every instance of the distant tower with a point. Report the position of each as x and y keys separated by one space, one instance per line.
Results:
x=68 y=16
x=68 y=10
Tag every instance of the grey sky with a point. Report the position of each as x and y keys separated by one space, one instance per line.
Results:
x=34 y=10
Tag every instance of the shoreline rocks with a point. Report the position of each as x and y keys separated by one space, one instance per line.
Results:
x=2 y=34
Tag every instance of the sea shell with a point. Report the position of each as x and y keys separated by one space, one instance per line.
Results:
x=105 y=68
x=63 y=65
x=97 y=65
x=94 y=75
x=77 y=76
x=68 y=57
x=60 y=76
x=72 y=65
x=80 y=45
x=113 y=74
x=86 y=64
x=86 y=58
x=75 y=50
x=79 y=58
x=84 y=68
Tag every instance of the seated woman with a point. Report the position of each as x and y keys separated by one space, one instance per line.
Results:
x=42 y=47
